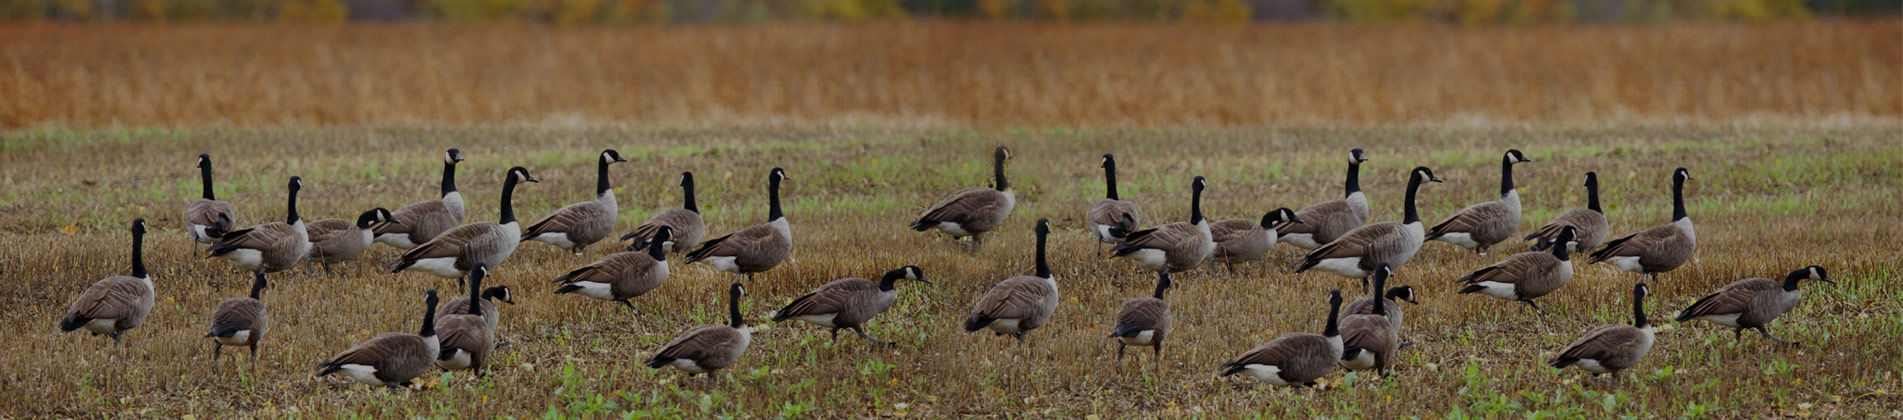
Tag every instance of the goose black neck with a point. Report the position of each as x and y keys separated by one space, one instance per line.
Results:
x=1196 y=205
x=1638 y=310
x=138 y=254
x=1162 y=283
x=257 y=286
x=733 y=308
x=1559 y=251
x=1354 y=180
x=508 y=195
x=1790 y=281
x=1592 y=194
x=475 y=294
x=1678 y=198
x=449 y=177
x=1506 y=175
x=1393 y=294
x=292 y=218
x=773 y=199
x=997 y=173
x=1410 y=214
x=890 y=278
x=687 y=196
x=429 y=320
x=204 y=175
x=655 y=247
x=1380 y=305
x=1334 y=311
x=601 y=177
x=1109 y=179
x=1043 y=265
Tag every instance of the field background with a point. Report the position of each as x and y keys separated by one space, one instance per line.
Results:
x=1791 y=130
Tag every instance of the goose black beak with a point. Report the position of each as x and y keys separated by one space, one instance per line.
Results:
x=1433 y=179
x=1297 y=219
x=1827 y=279
x=922 y=279
x=531 y=178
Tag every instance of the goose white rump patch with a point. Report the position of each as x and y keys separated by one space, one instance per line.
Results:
x=442 y=267
x=1729 y=320
x=458 y=361
x=1004 y=326
x=1265 y=373
x=1103 y=233
x=1345 y=266
x=1148 y=258
x=1627 y=263
x=1498 y=290
x=361 y=373
x=1143 y=338
x=102 y=326
x=399 y=240
x=248 y=259
x=722 y=263
x=240 y=338
x=1460 y=239
x=1362 y=361
x=1591 y=365
x=1301 y=240
x=952 y=229
x=559 y=239
x=595 y=290
x=825 y=320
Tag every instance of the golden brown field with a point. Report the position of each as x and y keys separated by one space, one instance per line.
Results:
x=933 y=73
x=1766 y=200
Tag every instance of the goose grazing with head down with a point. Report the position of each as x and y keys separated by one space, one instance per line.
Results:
x=1355 y=254
x=452 y=253
x=621 y=276
x=207 y=218
x=1527 y=275
x=335 y=240
x=1243 y=240
x=973 y=211
x=1111 y=218
x=848 y=303
x=270 y=247
x=1019 y=304
x=1174 y=247
x=1612 y=348
x=1370 y=340
x=115 y=304
x=467 y=337
x=1659 y=249
x=575 y=226
x=1144 y=321
x=1753 y=303
x=1589 y=223
x=1481 y=225
x=754 y=249
x=685 y=222
x=1294 y=359
x=239 y=321
x=390 y=359
x=707 y=348
x=1328 y=220
x=423 y=220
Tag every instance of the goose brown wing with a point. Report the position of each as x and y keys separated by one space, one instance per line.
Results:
x=112 y=298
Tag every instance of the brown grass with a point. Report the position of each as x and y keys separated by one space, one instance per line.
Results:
x=1766 y=201
x=240 y=75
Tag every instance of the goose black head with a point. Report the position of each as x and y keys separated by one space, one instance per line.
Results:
x=204 y=160
x=1280 y=215
x=1357 y=156
x=687 y=179
x=1817 y=273
x=138 y=226
x=913 y=273
x=1108 y=161
x=522 y=174
x=1426 y=174
x=778 y=175
x=297 y=183
x=1002 y=154
x=1514 y=156
x=612 y=156
x=452 y=156
x=1681 y=174
x=1043 y=227
x=1403 y=293
x=500 y=293
x=1592 y=179
x=429 y=298
x=377 y=215
x=1199 y=183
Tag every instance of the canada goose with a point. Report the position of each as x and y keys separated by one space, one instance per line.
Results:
x=115 y=304
x=1328 y=220
x=1527 y=275
x=335 y=240
x=1111 y=218
x=1590 y=222
x=575 y=226
x=240 y=321
x=491 y=314
x=1174 y=247
x=849 y=302
x=1660 y=248
x=451 y=254
x=207 y=218
x=623 y=275
x=423 y=220
x=973 y=211
x=1243 y=240
x=1355 y=254
x=1294 y=359
x=467 y=337
x=1019 y=304
x=1752 y=303
x=1612 y=348
x=1481 y=225
x=754 y=249
x=270 y=247
x=685 y=221
x=390 y=359
x=1390 y=303
x=1370 y=340
x=1144 y=321
x=707 y=348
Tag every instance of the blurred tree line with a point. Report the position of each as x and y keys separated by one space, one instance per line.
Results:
x=587 y=12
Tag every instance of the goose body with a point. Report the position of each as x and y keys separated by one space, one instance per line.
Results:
x=424 y=220
x=240 y=321
x=390 y=359
x=1356 y=253
x=1752 y=303
x=576 y=226
x=1660 y=248
x=336 y=240
x=1527 y=275
x=1019 y=304
x=848 y=303
x=1111 y=218
x=1329 y=220
x=1144 y=321
x=467 y=337
x=1612 y=348
x=707 y=348
x=207 y=218
x=1389 y=302
x=1479 y=226
x=1174 y=247
x=115 y=304
x=269 y=247
x=1370 y=340
x=756 y=248
x=1589 y=223
x=1242 y=240
x=491 y=314
x=971 y=212
x=451 y=254
x=684 y=224
x=621 y=276
x=1294 y=359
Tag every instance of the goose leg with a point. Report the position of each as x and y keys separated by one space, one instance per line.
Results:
x=630 y=305
x=1232 y=269
x=254 y=351
x=1536 y=306
x=1020 y=336
x=1767 y=334
x=1737 y=334
x=835 y=335
x=1099 y=249
x=1120 y=346
x=1157 y=353
x=868 y=337
x=214 y=353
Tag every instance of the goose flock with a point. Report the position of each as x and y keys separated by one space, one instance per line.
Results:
x=1364 y=334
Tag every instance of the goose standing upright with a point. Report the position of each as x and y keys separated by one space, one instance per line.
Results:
x=240 y=321
x=1243 y=240
x=1294 y=359
x=755 y=249
x=1356 y=253
x=424 y=220
x=467 y=337
x=452 y=253
x=621 y=276
x=1659 y=249
x=1589 y=223
x=1481 y=225
x=491 y=314
x=1753 y=303
x=390 y=359
x=973 y=211
x=578 y=225
x=335 y=240
x=1369 y=340
x=207 y=218
x=1174 y=247
x=1328 y=220
x=115 y=304
x=270 y=247
x=708 y=348
x=1111 y=218
x=685 y=223
x=849 y=302
x=1612 y=348
x=1144 y=321
x=1019 y=304
x=1527 y=275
